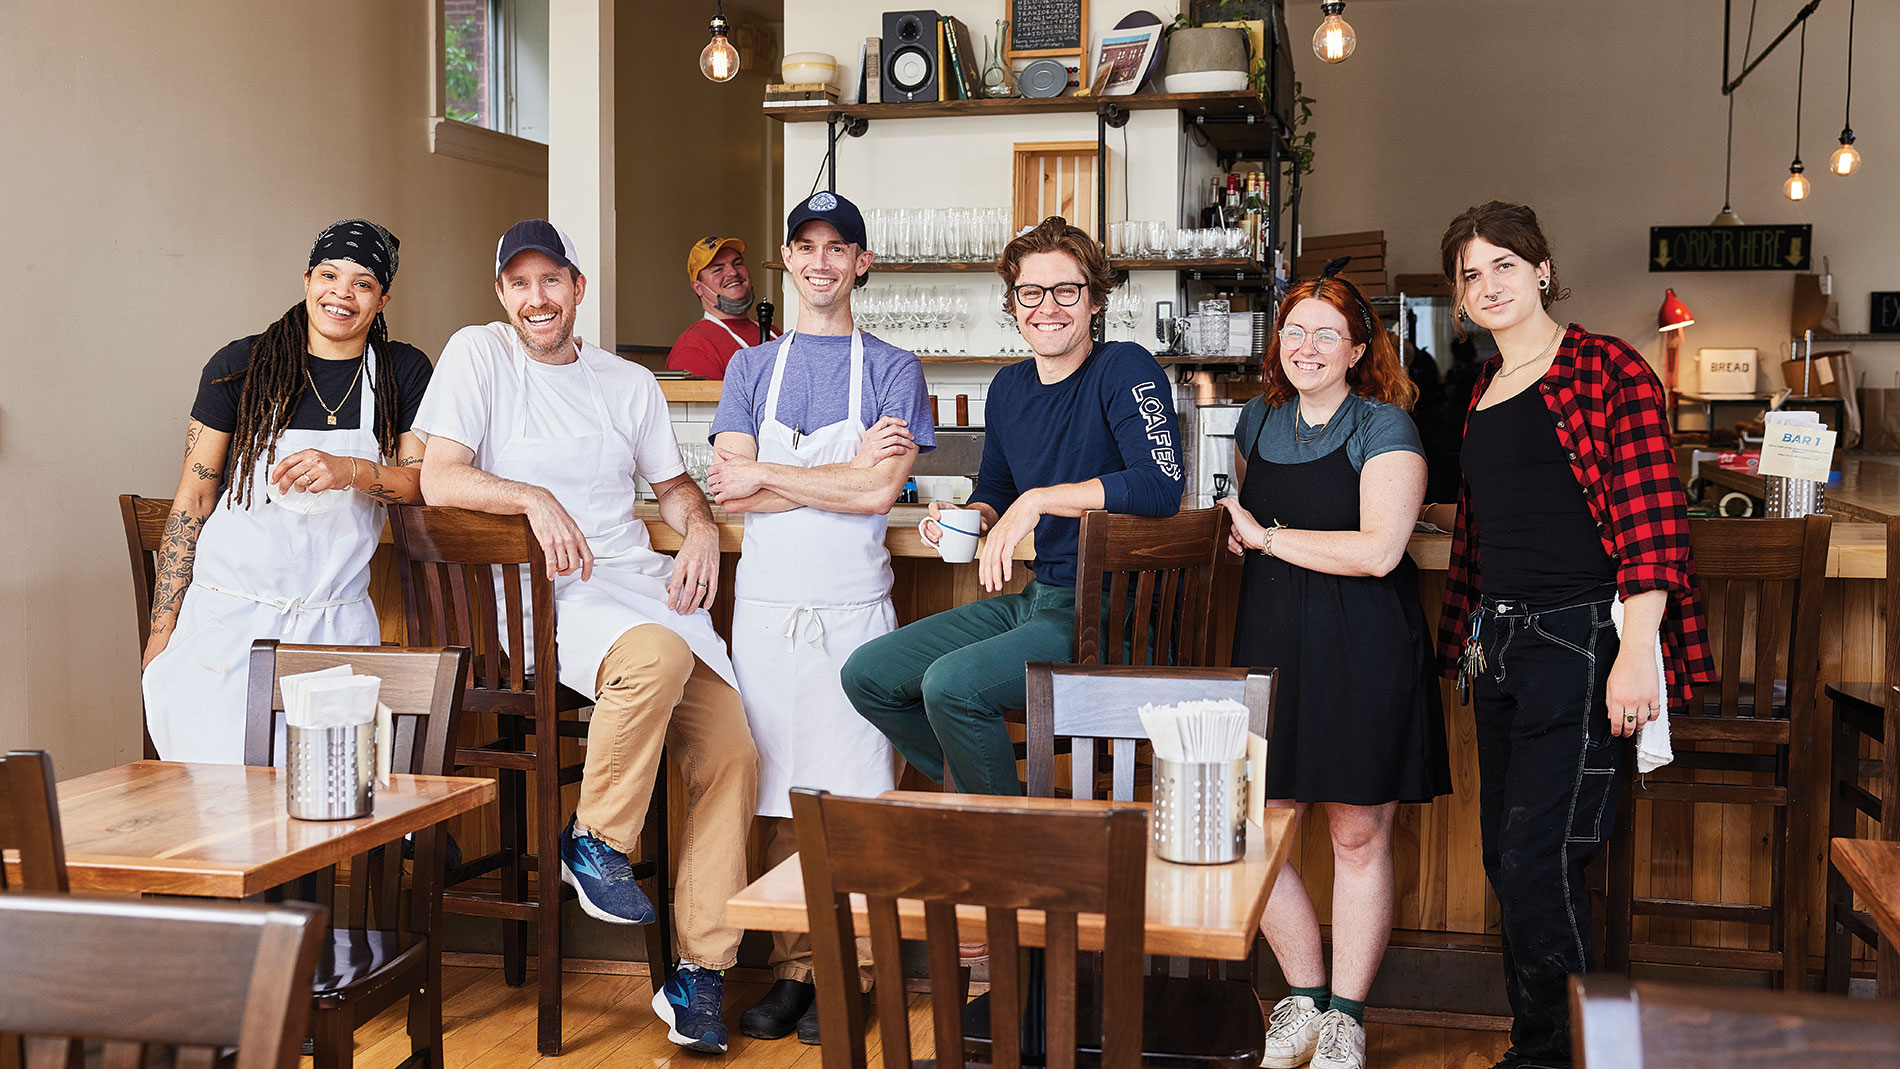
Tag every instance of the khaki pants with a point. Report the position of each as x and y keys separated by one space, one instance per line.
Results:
x=653 y=691
x=791 y=951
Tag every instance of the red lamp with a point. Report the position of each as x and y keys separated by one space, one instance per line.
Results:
x=1670 y=319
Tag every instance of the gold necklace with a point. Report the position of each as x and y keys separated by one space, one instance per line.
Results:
x=346 y=393
x=1539 y=356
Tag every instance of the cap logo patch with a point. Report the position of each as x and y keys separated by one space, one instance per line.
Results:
x=822 y=202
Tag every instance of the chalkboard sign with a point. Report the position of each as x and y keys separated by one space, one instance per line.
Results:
x=1048 y=27
x=1884 y=318
x=1731 y=248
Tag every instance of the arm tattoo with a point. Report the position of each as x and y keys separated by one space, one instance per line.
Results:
x=408 y=462
x=383 y=493
x=191 y=438
x=178 y=551
x=205 y=473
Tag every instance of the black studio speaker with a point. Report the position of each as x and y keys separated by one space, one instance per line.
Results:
x=910 y=55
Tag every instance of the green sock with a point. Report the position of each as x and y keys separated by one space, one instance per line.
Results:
x=1352 y=1009
x=1320 y=995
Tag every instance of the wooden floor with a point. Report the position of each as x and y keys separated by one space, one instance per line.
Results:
x=609 y=1021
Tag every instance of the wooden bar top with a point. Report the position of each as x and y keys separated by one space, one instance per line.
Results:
x=1868 y=490
x=1198 y=911
x=1872 y=868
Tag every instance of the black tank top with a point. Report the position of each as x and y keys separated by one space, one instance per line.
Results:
x=1537 y=541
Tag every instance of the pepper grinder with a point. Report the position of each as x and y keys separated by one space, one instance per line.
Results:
x=963 y=410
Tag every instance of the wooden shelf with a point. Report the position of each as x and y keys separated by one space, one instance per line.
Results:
x=1240 y=265
x=1239 y=106
x=1857 y=337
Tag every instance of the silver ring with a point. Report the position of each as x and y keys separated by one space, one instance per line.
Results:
x=702 y=582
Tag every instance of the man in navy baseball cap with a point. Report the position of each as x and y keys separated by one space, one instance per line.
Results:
x=828 y=207
x=544 y=237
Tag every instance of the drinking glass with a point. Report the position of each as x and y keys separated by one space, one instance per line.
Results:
x=1002 y=317
x=1155 y=240
x=960 y=315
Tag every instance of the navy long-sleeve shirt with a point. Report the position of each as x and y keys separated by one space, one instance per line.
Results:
x=1113 y=420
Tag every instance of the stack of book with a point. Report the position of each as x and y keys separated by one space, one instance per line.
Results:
x=801 y=94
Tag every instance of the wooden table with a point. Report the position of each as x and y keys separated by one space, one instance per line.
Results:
x=1872 y=869
x=1197 y=911
x=221 y=831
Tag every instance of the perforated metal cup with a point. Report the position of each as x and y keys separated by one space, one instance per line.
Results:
x=1200 y=811
x=330 y=773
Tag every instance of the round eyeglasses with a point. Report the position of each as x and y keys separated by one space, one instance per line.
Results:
x=1066 y=293
x=1325 y=340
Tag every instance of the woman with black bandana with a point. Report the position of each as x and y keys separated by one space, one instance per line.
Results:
x=298 y=437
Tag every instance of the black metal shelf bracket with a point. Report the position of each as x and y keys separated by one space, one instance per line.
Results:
x=853 y=126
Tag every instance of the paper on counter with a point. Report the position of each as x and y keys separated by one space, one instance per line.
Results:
x=294 y=686
x=1257 y=777
x=385 y=740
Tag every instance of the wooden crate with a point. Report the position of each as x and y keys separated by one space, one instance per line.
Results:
x=1055 y=178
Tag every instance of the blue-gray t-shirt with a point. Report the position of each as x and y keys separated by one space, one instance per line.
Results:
x=815 y=392
x=1365 y=427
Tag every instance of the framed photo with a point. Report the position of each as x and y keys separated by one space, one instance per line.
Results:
x=1124 y=55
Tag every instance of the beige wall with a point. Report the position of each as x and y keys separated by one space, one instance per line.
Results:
x=1608 y=118
x=166 y=167
x=693 y=158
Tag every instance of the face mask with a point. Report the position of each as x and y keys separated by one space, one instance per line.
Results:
x=731 y=307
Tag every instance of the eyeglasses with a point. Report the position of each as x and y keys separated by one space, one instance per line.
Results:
x=1325 y=340
x=1066 y=293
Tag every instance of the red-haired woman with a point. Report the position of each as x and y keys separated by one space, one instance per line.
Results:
x=1332 y=475
x=1571 y=501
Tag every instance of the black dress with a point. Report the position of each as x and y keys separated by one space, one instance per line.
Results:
x=1358 y=718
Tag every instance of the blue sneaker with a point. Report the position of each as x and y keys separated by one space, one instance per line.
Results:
x=689 y=1003
x=603 y=879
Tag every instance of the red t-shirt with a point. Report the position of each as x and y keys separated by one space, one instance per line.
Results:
x=704 y=348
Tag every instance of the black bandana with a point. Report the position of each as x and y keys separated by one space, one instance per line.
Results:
x=1332 y=270
x=360 y=242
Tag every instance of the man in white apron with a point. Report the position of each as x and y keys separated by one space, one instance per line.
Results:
x=715 y=268
x=814 y=578
x=525 y=418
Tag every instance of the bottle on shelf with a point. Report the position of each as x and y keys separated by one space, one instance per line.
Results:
x=1230 y=207
x=1254 y=212
x=1212 y=216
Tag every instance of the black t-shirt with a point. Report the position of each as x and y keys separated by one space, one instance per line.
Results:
x=217 y=404
x=1537 y=541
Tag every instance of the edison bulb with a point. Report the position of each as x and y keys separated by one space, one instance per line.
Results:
x=719 y=61
x=1797 y=185
x=1846 y=159
x=1334 y=40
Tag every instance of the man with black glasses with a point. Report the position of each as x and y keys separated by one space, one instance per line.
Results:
x=1086 y=425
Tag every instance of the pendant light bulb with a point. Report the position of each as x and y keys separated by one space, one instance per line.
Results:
x=1334 y=40
x=719 y=61
x=1797 y=186
x=1846 y=159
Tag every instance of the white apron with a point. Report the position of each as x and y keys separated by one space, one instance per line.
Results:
x=266 y=571
x=592 y=477
x=721 y=324
x=812 y=586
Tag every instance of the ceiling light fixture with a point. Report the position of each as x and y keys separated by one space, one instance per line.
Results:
x=1846 y=159
x=1334 y=40
x=1798 y=186
x=719 y=61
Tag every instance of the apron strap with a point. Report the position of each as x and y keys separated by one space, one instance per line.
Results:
x=291 y=607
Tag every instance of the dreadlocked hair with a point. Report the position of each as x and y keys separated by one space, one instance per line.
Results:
x=274 y=383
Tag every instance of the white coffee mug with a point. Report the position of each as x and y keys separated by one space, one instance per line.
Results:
x=956 y=534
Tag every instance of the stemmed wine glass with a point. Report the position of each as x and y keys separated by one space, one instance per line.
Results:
x=1005 y=321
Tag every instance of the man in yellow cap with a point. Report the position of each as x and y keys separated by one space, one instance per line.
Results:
x=716 y=269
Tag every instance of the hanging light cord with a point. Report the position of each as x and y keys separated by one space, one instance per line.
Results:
x=1728 y=169
x=1800 y=78
x=1847 y=113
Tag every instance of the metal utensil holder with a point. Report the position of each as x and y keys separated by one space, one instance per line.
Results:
x=1791 y=499
x=330 y=773
x=1200 y=811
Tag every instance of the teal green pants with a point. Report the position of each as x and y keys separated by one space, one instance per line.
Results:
x=938 y=688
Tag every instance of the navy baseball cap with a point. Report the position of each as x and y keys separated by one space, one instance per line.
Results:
x=828 y=207
x=540 y=236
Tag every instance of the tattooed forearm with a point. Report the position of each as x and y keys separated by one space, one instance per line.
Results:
x=205 y=473
x=191 y=438
x=178 y=551
x=408 y=462
x=383 y=493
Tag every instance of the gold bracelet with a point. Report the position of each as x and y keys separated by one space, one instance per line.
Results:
x=1266 y=541
x=352 y=473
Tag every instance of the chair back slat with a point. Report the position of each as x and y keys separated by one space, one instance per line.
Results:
x=893 y=1014
x=511 y=590
x=946 y=856
x=1766 y=576
x=1006 y=987
x=1169 y=563
x=1088 y=702
x=196 y=978
x=29 y=822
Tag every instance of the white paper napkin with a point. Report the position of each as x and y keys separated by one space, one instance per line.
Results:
x=335 y=697
x=1198 y=730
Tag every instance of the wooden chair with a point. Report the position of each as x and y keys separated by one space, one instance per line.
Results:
x=144 y=519
x=1150 y=581
x=1089 y=862
x=1617 y=1024
x=365 y=969
x=29 y=823
x=1864 y=711
x=140 y=975
x=1746 y=740
x=1100 y=704
x=449 y=560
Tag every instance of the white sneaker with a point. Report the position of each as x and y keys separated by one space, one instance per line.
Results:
x=1342 y=1042
x=1292 y=1033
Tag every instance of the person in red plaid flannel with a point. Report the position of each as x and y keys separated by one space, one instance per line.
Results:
x=1571 y=527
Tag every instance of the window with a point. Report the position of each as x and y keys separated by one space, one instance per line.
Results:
x=491 y=84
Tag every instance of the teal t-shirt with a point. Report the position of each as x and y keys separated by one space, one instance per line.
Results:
x=1366 y=428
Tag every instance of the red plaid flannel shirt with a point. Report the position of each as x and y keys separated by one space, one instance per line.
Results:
x=1610 y=417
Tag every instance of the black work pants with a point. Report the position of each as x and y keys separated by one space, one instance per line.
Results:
x=1547 y=769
